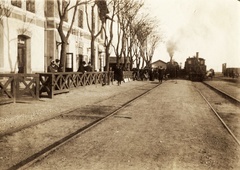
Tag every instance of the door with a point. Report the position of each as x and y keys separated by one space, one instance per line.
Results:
x=69 y=62
x=22 y=54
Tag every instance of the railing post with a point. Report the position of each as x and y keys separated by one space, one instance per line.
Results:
x=37 y=86
x=13 y=88
x=51 y=85
x=108 y=77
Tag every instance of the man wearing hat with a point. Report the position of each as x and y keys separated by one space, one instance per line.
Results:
x=52 y=68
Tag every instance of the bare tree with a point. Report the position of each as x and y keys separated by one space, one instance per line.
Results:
x=127 y=13
x=134 y=45
x=108 y=31
x=148 y=38
x=102 y=13
x=130 y=37
x=63 y=9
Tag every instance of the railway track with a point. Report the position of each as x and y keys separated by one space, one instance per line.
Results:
x=224 y=94
x=224 y=106
x=80 y=119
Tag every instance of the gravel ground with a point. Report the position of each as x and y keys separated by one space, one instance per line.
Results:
x=167 y=130
x=163 y=130
x=227 y=86
x=20 y=145
x=18 y=115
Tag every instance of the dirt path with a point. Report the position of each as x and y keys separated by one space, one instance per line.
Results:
x=170 y=128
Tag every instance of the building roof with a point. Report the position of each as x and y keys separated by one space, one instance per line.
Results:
x=159 y=61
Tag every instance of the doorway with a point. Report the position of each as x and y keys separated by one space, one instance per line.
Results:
x=69 y=62
x=22 y=53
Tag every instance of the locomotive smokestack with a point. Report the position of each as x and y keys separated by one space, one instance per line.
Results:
x=171 y=59
x=197 y=55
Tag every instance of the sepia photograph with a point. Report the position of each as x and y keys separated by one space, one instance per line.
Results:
x=119 y=84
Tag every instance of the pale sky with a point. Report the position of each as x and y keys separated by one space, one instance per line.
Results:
x=210 y=27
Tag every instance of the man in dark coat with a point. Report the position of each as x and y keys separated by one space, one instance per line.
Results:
x=52 y=68
x=118 y=75
x=88 y=68
x=81 y=68
x=160 y=74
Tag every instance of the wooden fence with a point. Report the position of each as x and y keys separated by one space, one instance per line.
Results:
x=55 y=83
x=16 y=87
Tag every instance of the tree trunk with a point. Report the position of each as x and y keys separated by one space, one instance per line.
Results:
x=107 y=58
x=92 y=41
x=92 y=53
x=63 y=57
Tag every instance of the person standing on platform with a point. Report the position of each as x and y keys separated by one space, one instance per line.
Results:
x=88 y=68
x=160 y=74
x=81 y=68
x=118 y=75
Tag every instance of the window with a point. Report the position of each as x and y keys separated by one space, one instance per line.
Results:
x=30 y=5
x=17 y=3
x=80 y=18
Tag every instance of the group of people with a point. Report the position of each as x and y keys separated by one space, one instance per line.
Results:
x=55 y=67
x=157 y=74
x=149 y=74
x=118 y=71
x=84 y=68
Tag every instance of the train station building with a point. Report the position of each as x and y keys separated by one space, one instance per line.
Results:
x=29 y=39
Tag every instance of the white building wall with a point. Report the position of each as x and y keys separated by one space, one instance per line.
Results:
x=22 y=22
x=14 y=27
x=33 y=25
x=37 y=49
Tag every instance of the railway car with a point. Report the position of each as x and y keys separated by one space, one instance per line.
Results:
x=195 y=68
x=172 y=69
x=232 y=72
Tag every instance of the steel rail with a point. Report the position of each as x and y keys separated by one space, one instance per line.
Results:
x=219 y=117
x=235 y=100
x=49 y=149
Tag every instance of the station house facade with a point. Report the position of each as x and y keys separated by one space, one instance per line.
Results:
x=29 y=39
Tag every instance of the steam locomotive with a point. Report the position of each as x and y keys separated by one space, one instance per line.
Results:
x=195 y=68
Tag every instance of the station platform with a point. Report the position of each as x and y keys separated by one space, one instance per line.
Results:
x=15 y=116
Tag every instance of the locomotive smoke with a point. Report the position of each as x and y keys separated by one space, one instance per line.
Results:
x=171 y=48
